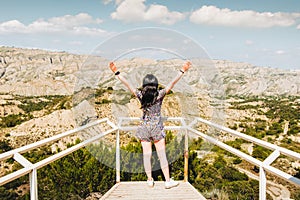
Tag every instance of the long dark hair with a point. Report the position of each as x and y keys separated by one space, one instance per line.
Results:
x=149 y=90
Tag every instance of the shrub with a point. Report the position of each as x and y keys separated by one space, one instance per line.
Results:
x=13 y=120
x=5 y=146
x=260 y=152
x=237 y=161
x=231 y=174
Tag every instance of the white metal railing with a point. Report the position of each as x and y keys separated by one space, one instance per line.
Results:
x=31 y=168
x=263 y=165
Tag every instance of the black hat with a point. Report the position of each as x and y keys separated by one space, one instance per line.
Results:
x=151 y=80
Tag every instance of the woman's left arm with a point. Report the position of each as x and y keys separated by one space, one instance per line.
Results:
x=184 y=68
x=113 y=68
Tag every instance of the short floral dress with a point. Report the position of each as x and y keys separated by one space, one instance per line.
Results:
x=151 y=127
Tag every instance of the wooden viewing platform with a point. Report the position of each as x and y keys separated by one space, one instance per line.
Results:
x=139 y=190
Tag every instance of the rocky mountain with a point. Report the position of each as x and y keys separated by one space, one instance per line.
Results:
x=246 y=79
x=33 y=72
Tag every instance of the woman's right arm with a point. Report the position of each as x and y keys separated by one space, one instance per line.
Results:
x=113 y=68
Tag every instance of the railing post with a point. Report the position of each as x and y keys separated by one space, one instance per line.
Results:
x=262 y=183
x=33 y=184
x=32 y=175
x=118 y=175
x=186 y=156
x=262 y=174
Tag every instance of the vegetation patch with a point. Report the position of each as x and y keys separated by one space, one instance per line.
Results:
x=29 y=105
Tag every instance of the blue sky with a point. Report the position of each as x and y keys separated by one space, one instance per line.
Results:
x=263 y=33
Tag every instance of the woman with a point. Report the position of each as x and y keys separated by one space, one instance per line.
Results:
x=151 y=128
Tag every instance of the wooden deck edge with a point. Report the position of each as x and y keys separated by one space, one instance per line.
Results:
x=133 y=182
x=196 y=190
x=110 y=191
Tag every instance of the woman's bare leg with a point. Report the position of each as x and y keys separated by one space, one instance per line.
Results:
x=161 y=152
x=147 y=153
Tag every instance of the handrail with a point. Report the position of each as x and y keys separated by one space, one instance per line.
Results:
x=31 y=168
x=265 y=144
x=263 y=166
x=54 y=138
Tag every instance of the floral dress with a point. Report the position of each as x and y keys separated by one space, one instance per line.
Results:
x=151 y=127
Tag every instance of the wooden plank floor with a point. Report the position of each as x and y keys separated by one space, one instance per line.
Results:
x=140 y=191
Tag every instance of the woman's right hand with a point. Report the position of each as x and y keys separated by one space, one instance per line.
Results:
x=113 y=67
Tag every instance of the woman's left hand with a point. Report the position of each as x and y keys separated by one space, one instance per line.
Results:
x=113 y=67
x=186 y=66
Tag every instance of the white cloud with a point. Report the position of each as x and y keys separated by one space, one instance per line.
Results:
x=248 y=42
x=88 y=31
x=212 y=15
x=130 y=11
x=298 y=27
x=137 y=11
x=77 y=20
x=117 y=2
x=76 y=43
x=280 y=52
x=12 y=26
x=159 y=13
x=106 y=1
x=68 y=24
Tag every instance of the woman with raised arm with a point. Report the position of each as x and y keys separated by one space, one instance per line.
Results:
x=151 y=128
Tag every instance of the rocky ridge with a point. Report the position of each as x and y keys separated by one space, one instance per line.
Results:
x=33 y=72
x=246 y=79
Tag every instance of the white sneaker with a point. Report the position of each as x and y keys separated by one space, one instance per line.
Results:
x=150 y=183
x=171 y=183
